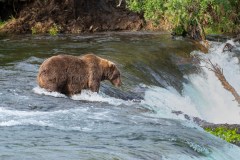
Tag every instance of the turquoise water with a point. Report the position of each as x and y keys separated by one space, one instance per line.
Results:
x=130 y=122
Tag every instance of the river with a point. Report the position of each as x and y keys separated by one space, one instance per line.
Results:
x=134 y=121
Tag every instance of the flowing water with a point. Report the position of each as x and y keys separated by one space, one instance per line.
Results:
x=134 y=121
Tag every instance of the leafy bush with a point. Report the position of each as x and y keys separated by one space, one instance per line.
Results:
x=11 y=17
x=34 y=31
x=2 y=23
x=225 y=134
x=54 y=30
x=222 y=15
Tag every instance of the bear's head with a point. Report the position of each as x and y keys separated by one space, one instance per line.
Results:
x=114 y=75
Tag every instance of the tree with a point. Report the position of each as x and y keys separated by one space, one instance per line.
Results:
x=214 y=16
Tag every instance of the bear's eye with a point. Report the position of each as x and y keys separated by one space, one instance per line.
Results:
x=115 y=76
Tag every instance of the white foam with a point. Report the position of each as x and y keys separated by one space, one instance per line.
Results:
x=85 y=95
x=61 y=119
x=39 y=90
x=213 y=102
x=25 y=122
x=164 y=101
x=10 y=123
x=205 y=96
x=101 y=97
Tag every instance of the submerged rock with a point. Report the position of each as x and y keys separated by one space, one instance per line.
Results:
x=204 y=124
x=229 y=47
x=237 y=39
x=117 y=93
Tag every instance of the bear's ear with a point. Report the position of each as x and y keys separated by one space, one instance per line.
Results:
x=111 y=64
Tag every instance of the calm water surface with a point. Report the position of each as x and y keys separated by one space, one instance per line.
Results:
x=130 y=122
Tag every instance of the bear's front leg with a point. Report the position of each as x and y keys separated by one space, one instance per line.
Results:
x=94 y=86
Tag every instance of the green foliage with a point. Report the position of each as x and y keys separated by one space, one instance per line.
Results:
x=222 y=15
x=2 y=23
x=54 y=30
x=179 y=30
x=34 y=31
x=11 y=17
x=156 y=23
x=225 y=134
x=212 y=30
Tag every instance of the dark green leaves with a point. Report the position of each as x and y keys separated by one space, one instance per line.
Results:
x=221 y=15
x=225 y=134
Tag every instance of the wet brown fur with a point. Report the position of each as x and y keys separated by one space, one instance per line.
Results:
x=69 y=74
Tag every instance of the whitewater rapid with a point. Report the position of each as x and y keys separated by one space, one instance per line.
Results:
x=213 y=102
x=49 y=125
x=204 y=97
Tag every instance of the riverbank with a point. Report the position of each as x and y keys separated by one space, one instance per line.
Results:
x=39 y=16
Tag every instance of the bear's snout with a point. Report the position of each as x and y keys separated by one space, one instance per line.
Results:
x=119 y=84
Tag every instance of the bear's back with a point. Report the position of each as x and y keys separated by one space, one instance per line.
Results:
x=62 y=63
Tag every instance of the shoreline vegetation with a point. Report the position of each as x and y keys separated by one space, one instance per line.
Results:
x=192 y=16
x=180 y=17
x=227 y=132
x=3 y=23
x=39 y=16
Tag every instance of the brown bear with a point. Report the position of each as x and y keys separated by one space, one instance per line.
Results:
x=69 y=74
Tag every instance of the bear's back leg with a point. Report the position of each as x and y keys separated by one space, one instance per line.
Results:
x=52 y=81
